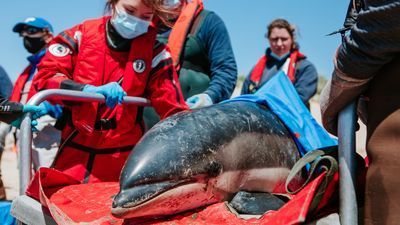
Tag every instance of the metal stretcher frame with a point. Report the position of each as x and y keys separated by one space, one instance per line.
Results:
x=347 y=167
x=23 y=206
x=348 y=209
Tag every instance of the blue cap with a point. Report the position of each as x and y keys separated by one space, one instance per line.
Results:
x=33 y=22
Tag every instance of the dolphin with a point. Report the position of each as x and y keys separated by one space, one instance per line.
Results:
x=198 y=158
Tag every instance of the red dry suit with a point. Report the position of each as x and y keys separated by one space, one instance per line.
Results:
x=100 y=139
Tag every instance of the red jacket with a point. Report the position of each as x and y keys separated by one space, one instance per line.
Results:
x=81 y=54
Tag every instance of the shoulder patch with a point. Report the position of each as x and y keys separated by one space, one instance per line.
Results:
x=163 y=55
x=59 y=50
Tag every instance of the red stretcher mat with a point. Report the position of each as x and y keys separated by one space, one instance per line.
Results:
x=72 y=204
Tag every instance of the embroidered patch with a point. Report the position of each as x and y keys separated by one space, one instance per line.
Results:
x=139 y=66
x=58 y=50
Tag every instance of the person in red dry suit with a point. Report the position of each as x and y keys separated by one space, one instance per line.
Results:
x=115 y=56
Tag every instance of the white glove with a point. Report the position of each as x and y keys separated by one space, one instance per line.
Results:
x=199 y=101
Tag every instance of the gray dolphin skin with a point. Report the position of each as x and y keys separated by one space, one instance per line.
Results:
x=198 y=158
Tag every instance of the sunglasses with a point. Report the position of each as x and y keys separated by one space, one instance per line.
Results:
x=30 y=30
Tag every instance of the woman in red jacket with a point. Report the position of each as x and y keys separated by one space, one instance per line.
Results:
x=115 y=56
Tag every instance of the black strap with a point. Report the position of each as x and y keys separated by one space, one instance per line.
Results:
x=70 y=41
x=92 y=155
x=103 y=151
x=105 y=124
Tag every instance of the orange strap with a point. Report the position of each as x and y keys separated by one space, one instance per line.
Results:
x=292 y=65
x=181 y=29
x=257 y=72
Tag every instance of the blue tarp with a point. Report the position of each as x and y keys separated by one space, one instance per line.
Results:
x=281 y=97
x=5 y=217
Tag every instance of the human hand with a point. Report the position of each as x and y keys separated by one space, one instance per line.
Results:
x=54 y=111
x=35 y=110
x=113 y=93
x=199 y=101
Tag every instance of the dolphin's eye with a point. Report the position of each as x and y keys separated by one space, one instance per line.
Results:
x=214 y=169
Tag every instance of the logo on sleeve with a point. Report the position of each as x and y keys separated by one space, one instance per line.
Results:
x=139 y=66
x=58 y=50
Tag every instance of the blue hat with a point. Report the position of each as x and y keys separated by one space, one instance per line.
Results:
x=33 y=22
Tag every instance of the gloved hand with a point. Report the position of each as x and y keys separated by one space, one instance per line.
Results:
x=199 y=101
x=54 y=111
x=112 y=91
x=36 y=112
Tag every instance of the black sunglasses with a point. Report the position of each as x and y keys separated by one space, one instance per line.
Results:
x=31 y=30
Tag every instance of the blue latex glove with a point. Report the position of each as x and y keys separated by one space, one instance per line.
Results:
x=112 y=91
x=36 y=112
x=54 y=111
x=199 y=101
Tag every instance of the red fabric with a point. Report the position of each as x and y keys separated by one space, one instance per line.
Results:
x=19 y=85
x=177 y=38
x=258 y=70
x=96 y=64
x=72 y=203
x=92 y=62
x=292 y=65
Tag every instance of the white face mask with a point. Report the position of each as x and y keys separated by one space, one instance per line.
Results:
x=129 y=26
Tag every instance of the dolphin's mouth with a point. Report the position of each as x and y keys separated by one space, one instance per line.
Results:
x=138 y=195
x=172 y=199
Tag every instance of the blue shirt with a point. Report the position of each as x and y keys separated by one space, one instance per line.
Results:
x=215 y=36
x=34 y=60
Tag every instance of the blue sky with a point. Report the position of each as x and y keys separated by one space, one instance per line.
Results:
x=246 y=22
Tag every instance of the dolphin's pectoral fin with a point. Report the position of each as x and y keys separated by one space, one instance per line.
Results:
x=256 y=203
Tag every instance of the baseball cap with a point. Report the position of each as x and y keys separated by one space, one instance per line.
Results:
x=33 y=22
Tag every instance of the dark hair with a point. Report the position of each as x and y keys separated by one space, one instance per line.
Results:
x=163 y=13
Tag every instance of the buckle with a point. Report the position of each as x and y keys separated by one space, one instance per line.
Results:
x=105 y=124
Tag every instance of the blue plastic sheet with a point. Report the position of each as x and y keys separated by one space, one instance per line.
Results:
x=5 y=217
x=281 y=97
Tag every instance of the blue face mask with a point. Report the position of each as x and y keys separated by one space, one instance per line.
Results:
x=279 y=58
x=129 y=26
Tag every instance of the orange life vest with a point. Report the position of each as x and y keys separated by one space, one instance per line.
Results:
x=257 y=73
x=177 y=38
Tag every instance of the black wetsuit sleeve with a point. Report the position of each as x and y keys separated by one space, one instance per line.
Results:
x=72 y=85
x=9 y=111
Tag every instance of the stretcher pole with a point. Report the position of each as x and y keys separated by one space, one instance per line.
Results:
x=347 y=165
x=25 y=154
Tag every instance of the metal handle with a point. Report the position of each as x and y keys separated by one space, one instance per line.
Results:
x=347 y=165
x=25 y=153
